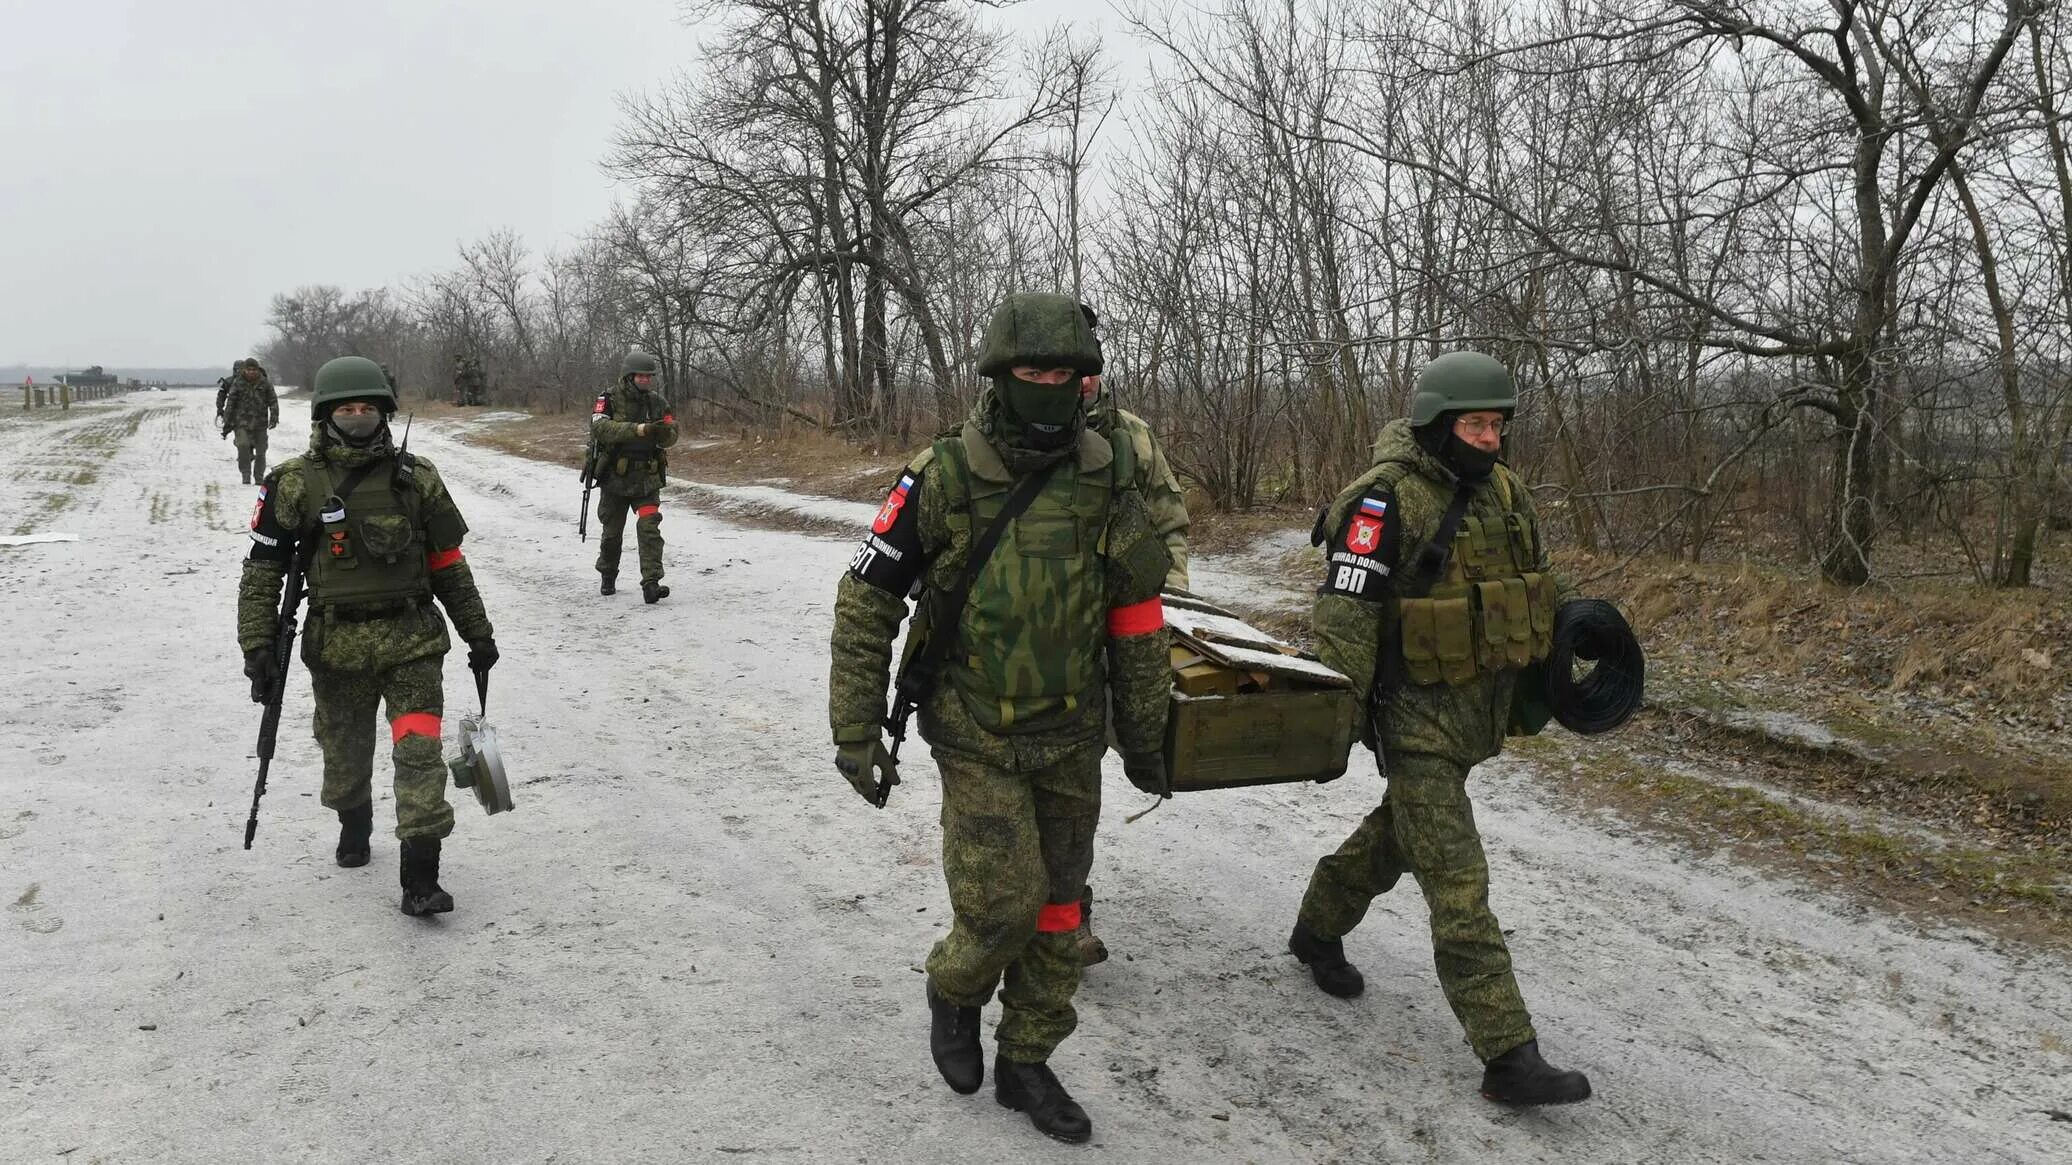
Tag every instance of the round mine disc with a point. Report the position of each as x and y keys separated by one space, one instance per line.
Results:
x=492 y=788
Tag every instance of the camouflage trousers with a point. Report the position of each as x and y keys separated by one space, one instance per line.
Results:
x=251 y=452
x=1425 y=827
x=647 y=531
x=345 y=730
x=1016 y=848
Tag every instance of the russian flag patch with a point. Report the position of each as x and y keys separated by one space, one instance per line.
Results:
x=894 y=502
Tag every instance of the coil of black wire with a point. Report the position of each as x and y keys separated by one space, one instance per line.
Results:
x=1610 y=693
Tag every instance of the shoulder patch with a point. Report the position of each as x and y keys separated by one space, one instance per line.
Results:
x=271 y=539
x=1364 y=553
x=890 y=557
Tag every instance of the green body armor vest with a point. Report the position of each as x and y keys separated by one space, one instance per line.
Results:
x=637 y=457
x=1030 y=652
x=369 y=547
x=1489 y=610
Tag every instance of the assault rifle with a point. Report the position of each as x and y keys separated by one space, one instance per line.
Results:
x=283 y=656
x=589 y=476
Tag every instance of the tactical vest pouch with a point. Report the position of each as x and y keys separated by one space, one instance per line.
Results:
x=1439 y=637
x=1539 y=590
x=387 y=537
x=1505 y=614
x=1495 y=620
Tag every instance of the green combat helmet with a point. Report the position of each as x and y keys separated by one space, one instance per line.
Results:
x=349 y=378
x=1040 y=330
x=639 y=363
x=1462 y=382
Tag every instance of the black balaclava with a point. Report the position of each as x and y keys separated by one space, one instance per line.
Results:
x=1043 y=417
x=1437 y=438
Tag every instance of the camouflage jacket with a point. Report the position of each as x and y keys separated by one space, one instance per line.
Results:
x=285 y=522
x=920 y=543
x=1154 y=480
x=627 y=462
x=252 y=405
x=1372 y=535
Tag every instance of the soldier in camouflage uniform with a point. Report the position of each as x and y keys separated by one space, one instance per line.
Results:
x=1167 y=502
x=1063 y=614
x=380 y=537
x=468 y=380
x=249 y=408
x=1434 y=651
x=630 y=426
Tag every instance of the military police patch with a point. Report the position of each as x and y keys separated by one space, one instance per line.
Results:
x=269 y=539
x=1363 y=556
x=894 y=503
x=890 y=557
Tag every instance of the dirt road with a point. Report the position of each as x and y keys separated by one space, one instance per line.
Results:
x=692 y=942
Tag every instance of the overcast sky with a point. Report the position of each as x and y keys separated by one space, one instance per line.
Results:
x=166 y=166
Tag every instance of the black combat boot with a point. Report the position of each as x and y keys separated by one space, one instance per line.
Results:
x=1034 y=1089
x=1325 y=958
x=607 y=584
x=953 y=1041
x=1519 y=1076
x=421 y=893
x=653 y=592
x=355 y=830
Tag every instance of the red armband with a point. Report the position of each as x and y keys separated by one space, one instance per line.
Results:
x=1137 y=618
x=439 y=560
x=1058 y=918
x=413 y=724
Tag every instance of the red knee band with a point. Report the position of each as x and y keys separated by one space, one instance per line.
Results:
x=649 y=511
x=1057 y=918
x=439 y=560
x=1137 y=618
x=414 y=723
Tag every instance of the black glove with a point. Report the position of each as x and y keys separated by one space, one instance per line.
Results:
x=482 y=655
x=260 y=669
x=1146 y=770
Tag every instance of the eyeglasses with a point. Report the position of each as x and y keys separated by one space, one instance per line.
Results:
x=1476 y=426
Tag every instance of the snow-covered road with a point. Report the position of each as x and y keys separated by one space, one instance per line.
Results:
x=692 y=942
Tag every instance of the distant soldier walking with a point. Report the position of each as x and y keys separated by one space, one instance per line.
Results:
x=250 y=408
x=630 y=426
x=380 y=538
x=468 y=380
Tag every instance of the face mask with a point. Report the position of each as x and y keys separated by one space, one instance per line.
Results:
x=359 y=429
x=1046 y=414
x=1471 y=463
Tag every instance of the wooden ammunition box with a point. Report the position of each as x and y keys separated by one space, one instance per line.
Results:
x=1246 y=708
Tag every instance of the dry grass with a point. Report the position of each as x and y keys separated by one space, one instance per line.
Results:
x=1932 y=638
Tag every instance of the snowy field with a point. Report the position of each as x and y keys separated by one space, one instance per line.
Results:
x=692 y=942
